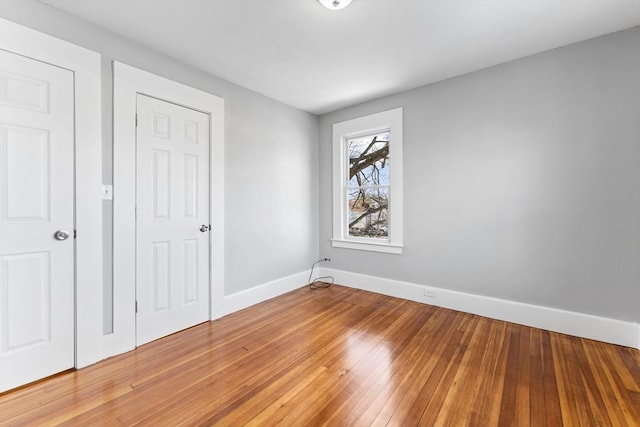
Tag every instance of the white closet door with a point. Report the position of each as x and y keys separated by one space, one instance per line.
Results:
x=172 y=236
x=36 y=220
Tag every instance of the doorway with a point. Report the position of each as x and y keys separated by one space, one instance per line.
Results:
x=50 y=246
x=132 y=88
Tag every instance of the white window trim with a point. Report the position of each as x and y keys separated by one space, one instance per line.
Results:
x=387 y=120
x=128 y=82
x=85 y=65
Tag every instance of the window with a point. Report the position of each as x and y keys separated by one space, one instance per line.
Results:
x=368 y=186
x=367 y=183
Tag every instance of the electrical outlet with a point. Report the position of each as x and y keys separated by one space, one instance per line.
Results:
x=429 y=293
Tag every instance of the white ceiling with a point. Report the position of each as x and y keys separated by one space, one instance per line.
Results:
x=320 y=60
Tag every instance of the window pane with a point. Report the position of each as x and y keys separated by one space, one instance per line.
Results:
x=368 y=212
x=369 y=160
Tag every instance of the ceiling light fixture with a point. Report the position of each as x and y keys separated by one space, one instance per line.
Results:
x=335 y=4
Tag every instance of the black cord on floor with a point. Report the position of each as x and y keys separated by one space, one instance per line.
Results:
x=322 y=282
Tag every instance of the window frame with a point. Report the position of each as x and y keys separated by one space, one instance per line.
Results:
x=390 y=120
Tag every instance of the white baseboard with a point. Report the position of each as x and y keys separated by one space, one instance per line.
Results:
x=257 y=294
x=552 y=319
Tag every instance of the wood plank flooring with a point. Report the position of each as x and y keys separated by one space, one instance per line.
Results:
x=339 y=357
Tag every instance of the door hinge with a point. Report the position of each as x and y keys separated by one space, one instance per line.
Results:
x=74 y=234
x=136 y=120
x=136 y=306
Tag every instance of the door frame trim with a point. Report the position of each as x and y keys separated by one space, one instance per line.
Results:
x=85 y=66
x=128 y=83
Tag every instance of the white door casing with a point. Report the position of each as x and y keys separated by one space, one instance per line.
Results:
x=36 y=200
x=85 y=67
x=172 y=252
x=128 y=83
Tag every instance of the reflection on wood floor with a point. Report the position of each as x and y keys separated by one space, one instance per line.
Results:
x=338 y=357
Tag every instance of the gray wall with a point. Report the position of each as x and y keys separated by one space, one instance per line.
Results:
x=522 y=181
x=271 y=156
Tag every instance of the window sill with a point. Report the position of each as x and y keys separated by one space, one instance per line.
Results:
x=367 y=246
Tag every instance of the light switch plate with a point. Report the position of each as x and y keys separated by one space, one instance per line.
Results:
x=107 y=192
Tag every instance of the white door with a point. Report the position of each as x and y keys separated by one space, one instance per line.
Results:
x=36 y=220
x=172 y=218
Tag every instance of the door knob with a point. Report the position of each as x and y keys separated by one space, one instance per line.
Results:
x=204 y=228
x=61 y=235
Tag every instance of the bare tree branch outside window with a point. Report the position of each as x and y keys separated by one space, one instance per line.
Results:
x=368 y=186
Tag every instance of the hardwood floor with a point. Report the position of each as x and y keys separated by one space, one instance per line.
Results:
x=341 y=357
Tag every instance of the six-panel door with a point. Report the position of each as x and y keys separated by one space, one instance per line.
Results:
x=36 y=220
x=172 y=246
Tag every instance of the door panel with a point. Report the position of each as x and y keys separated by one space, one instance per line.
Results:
x=27 y=294
x=36 y=200
x=172 y=254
